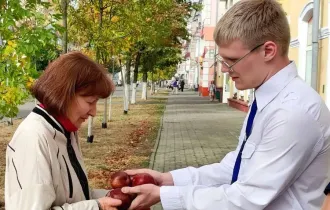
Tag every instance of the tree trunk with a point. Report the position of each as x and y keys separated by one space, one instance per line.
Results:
x=100 y=15
x=136 y=73
x=90 y=136
x=105 y=113
x=123 y=72
x=133 y=97
x=126 y=98
x=64 y=6
x=98 y=53
x=144 y=87
x=152 y=89
x=10 y=121
x=110 y=108
x=110 y=102
x=127 y=84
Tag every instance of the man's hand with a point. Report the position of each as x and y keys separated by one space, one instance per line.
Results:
x=162 y=179
x=108 y=203
x=147 y=195
x=326 y=203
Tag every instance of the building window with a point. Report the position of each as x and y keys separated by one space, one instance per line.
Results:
x=207 y=20
x=211 y=54
x=305 y=40
x=309 y=52
x=207 y=13
x=207 y=7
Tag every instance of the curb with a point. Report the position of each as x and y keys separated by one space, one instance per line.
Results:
x=153 y=154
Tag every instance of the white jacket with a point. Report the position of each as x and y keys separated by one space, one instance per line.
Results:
x=39 y=172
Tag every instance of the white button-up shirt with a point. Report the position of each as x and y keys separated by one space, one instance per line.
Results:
x=285 y=162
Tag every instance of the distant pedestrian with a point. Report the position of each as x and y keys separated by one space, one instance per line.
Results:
x=182 y=85
x=212 y=88
x=175 y=87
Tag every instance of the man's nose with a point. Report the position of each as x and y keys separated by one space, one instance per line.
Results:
x=224 y=69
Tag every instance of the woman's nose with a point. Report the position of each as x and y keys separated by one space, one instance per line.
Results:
x=92 y=111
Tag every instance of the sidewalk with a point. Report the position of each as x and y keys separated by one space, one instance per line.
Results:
x=195 y=132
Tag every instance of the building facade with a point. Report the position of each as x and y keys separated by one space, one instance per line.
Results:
x=300 y=17
x=201 y=68
x=199 y=52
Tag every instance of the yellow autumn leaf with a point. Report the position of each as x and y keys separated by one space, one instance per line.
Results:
x=11 y=43
x=115 y=19
x=8 y=50
x=29 y=82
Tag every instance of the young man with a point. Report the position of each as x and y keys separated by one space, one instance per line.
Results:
x=281 y=161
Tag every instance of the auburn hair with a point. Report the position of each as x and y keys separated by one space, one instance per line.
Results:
x=70 y=74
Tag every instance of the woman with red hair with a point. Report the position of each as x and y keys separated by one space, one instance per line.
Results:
x=45 y=167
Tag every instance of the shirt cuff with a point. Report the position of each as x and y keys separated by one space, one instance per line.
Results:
x=181 y=177
x=327 y=189
x=170 y=198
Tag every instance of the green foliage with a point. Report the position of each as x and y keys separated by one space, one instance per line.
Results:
x=164 y=55
x=107 y=28
x=99 y=28
x=47 y=54
x=25 y=32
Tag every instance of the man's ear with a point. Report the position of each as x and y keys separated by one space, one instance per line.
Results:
x=270 y=50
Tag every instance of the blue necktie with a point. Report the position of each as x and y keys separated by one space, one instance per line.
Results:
x=248 y=130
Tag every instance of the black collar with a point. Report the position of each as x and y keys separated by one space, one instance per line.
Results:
x=57 y=125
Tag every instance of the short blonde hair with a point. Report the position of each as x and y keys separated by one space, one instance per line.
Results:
x=254 y=22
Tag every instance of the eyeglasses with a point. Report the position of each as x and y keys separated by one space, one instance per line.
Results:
x=230 y=67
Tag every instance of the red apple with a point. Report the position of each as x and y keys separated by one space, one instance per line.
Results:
x=142 y=178
x=120 y=179
x=125 y=198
